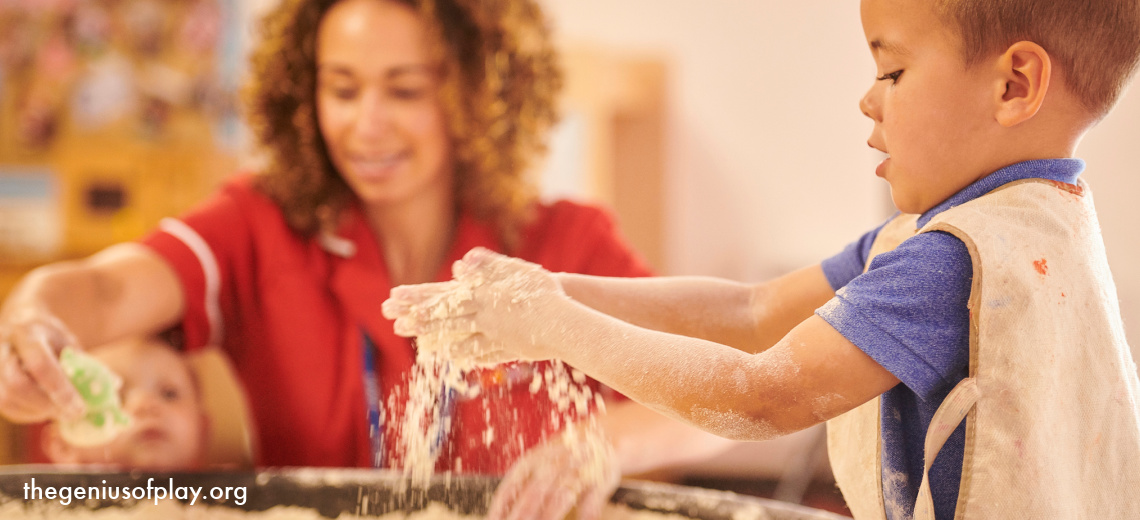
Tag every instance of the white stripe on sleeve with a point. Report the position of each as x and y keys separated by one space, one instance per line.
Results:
x=209 y=262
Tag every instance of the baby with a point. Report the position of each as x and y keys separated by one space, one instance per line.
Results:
x=167 y=425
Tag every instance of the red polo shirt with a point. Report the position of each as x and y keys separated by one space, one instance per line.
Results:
x=289 y=311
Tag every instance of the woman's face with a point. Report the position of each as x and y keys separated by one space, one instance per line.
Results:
x=377 y=103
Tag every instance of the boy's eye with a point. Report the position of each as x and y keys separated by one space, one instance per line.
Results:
x=893 y=76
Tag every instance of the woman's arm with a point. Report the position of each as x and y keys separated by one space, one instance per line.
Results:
x=125 y=289
x=751 y=318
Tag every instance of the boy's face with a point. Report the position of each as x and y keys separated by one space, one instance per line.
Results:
x=167 y=423
x=931 y=113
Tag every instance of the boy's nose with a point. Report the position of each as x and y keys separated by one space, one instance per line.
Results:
x=868 y=106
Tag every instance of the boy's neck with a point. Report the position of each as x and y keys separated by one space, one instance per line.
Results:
x=1053 y=133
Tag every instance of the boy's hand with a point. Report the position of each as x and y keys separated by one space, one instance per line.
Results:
x=33 y=386
x=577 y=470
x=495 y=309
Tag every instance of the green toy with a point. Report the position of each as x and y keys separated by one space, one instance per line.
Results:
x=99 y=388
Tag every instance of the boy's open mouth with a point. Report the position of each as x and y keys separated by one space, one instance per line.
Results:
x=881 y=169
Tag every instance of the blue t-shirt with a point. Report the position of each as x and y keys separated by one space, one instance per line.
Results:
x=908 y=312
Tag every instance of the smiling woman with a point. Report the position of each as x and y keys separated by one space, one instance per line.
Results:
x=470 y=83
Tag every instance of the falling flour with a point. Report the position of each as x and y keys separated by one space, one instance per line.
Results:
x=444 y=357
x=423 y=428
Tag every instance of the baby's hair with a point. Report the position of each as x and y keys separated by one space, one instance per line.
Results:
x=1096 y=44
x=173 y=343
x=175 y=339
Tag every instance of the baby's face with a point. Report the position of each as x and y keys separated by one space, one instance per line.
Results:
x=932 y=114
x=167 y=422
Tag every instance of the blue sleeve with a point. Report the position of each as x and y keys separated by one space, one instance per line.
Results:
x=845 y=266
x=909 y=311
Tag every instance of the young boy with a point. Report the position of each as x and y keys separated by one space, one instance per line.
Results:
x=989 y=298
x=167 y=427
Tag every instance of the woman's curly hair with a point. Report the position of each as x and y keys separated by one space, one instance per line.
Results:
x=499 y=88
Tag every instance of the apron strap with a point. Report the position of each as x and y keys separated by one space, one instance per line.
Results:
x=949 y=415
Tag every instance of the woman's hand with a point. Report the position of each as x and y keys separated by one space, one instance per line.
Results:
x=124 y=290
x=33 y=386
x=496 y=309
x=577 y=470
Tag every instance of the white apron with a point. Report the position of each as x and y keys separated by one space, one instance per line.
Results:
x=1053 y=429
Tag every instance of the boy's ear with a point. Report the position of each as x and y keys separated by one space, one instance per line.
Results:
x=1026 y=71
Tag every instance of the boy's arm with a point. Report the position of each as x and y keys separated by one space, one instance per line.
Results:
x=501 y=308
x=811 y=375
x=748 y=317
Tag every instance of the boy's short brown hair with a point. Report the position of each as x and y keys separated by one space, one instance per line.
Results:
x=1095 y=42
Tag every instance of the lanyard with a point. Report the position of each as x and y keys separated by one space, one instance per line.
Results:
x=447 y=400
x=372 y=401
x=375 y=412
